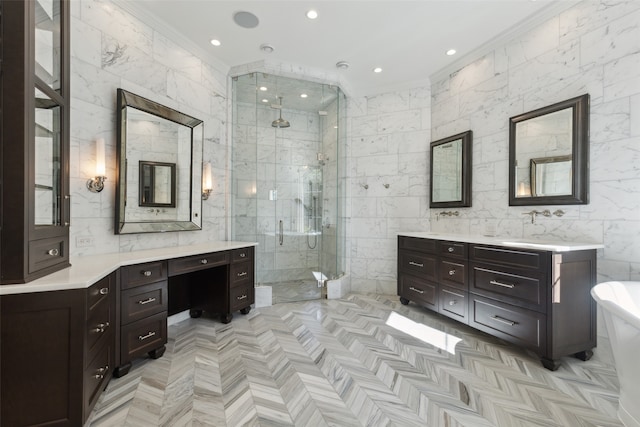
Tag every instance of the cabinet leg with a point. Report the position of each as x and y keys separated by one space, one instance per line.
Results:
x=157 y=353
x=404 y=301
x=550 y=364
x=245 y=310
x=121 y=371
x=584 y=355
x=226 y=318
x=195 y=313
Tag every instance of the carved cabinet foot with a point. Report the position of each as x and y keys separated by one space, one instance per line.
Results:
x=226 y=318
x=584 y=355
x=550 y=364
x=404 y=301
x=121 y=371
x=245 y=310
x=157 y=353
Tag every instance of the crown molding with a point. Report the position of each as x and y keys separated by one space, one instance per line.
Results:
x=520 y=28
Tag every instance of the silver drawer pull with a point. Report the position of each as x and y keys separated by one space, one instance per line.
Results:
x=100 y=372
x=420 y=291
x=504 y=285
x=242 y=255
x=452 y=272
x=146 y=273
x=101 y=327
x=416 y=264
x=505 y=321
x=242 y=297
x=146 y=301
x=144 y=337
x=244 y=273
x=453 y=302
x=104 y=291
x=203 y=261
x=53 y=252
x=451 y=249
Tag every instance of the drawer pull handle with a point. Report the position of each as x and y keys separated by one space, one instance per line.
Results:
x=244 y=273
x=100 y=372
x=146 y=301
x=203 y=261
x=146 y=273
x=453 y=302
x=104 y=291
x=53 y=252
x=242 y=297
x=101 y=327
x=452 y=272
x=504 y=285
x=451 y=249
x=144 y=337
x=420 y=291
x=416 y=264
x=505 y=321
x=242 y=255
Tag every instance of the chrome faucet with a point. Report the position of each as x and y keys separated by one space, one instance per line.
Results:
x=534 y=213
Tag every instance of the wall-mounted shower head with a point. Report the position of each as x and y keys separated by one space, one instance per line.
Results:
x=280 y=122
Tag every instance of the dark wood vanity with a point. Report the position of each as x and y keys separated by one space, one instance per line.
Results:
x=536 y=298
x=61 y=347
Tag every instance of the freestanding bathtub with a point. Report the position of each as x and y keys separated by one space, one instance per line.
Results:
x=620 y=302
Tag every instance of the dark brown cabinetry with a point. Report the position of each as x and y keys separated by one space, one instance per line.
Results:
x=65 y=358
x=34 y=238
x=536 y=299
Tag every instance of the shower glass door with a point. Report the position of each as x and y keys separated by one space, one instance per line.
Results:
x=280 y=194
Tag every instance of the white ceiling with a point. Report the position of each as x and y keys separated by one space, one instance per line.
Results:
x=407 y=39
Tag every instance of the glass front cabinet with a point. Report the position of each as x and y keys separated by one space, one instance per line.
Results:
x=35 y=139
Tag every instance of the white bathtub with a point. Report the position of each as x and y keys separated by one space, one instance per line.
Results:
x=620 y=302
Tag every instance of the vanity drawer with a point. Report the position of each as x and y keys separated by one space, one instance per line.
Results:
x=508 y=286
x=241 y=255
x=514 y=324
x=99 y=325
x=453 y=274
x=417 y=244
x=99 y=292
x=45 y=253
x=141 y=274
x=143 y=301
x=419 y=291
x=510 y=257
x=452 y=249
x=241 y=273
x=98 y=371
x=197 y=262
x=454 y=304
x=143 y=336
x=419 y=264
x=241 y=296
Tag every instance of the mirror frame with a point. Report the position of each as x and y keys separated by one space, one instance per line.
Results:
x=465 y=179
x=172 y=191
x=579 y=155
x=127 y=99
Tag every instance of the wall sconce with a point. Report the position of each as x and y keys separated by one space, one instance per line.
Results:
x=207 y=182
x=96 y=184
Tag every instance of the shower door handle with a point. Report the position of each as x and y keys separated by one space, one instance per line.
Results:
x=281 y=235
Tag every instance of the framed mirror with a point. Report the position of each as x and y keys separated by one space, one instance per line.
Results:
x=157 y=184
x=450 y=166
x=549 y=155
x=159 y=158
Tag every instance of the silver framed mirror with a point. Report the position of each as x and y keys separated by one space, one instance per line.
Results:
x=450 y=166
x=549 y=155
x=154 y=138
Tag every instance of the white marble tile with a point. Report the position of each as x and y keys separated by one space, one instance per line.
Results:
x=85 y=43
x=389 y=103
x=621 y=77
x=536 y=42
x=476 y=72
x=403 y=121
x=176 y=58
x=598 y=46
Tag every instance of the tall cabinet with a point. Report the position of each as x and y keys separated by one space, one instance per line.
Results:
x=34 y=237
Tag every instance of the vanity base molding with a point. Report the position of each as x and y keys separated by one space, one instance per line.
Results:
x=537 y=299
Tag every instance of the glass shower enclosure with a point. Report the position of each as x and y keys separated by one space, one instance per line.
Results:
x=288 y=181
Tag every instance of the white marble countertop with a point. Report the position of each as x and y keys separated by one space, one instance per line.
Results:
x=541 y=245
x=87 y=270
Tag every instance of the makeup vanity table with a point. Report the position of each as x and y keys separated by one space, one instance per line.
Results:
x=65 y=335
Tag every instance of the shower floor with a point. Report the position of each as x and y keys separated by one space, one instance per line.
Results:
x=294 y=290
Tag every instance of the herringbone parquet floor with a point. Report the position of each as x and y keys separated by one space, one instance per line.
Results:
x=365 y=360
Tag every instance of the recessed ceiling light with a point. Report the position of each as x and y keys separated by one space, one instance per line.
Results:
x=377 y=70
x=263 y=88
x=215 y=42
x=267 y=48
x=303 y=95
x=451 y=52
x=265 y=100
x=342 y=65
x=312 y=14
x=246 y=19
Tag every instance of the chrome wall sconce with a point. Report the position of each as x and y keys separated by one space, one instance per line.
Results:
x=207 y=181
x=96 y=184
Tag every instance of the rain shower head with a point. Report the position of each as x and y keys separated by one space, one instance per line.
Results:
x=280 y=122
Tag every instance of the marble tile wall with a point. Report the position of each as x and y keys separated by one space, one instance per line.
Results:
x=110 y=49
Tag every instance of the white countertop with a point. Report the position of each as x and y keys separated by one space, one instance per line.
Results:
x=87 y=270
x=541 y=245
